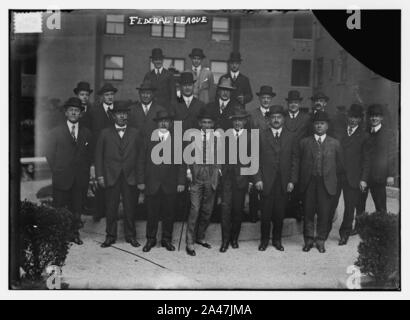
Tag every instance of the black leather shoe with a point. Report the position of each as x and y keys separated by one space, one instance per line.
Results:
x=235 y=244
x=107 y=243
x=278 y=246
x=307 y=247
x=133 y=242
x=204 y=244
x=224 y=247
x=148 y=246
x=343 y=241
x=167 y=245
x=263 y=246
x=77 y=241
x=321 y=247
x=190 y=252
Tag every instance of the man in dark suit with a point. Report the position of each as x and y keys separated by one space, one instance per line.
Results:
x=224 y=105
x=234 y=184
x=319 y=103
x=259 y=121
x=161 y=181
x=69 y=156
x=275 y=178
x=298 y=123
x=101 y=118
x=382 y=151
x=243 y=91
x=117 y=170
x=83 y=92
x=319 y=157
x=353 y=179
x=142 y=113
x=162 y=80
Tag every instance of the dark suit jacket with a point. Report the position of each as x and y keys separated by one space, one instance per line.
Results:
x=86 y=117
x=332 y=160
x=188 y=116
x=383 y=152
x=267 y=171
x=69 y=161
x=165 y=95
x=156 y=176
x=241 y=84
x=114 y=155
x=299 y=126
x=222 y=119
x=99 y=121
x=355 y=158
x=258 y=120
x=142 y=122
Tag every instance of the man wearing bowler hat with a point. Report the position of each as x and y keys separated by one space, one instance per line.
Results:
x=319 y=157
x=353 y=179
x=101 y=118
x=243 y=91
x=204 y=86
x=117 y=170
x=319 y=103
x=83 y=92
x=69 y=155
x=142 y=113
x=162 y=181
x=204 y=177
x=276 y=176
x=162 y=80
x=234 y=184
x=382 y=151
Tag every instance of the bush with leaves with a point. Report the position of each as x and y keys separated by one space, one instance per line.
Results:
x=46 y=233
x=379 y=248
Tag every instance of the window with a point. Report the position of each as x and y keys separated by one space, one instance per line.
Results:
x=178 y=64
x=319 y=72
x=114 y=24
x=218 y=68
x=113 y=68
x=300 y=73
x=220 y=29
x=302 y=26
x=342 y=66
x=174 y=30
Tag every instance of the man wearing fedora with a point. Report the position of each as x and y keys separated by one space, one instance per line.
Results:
x=204 y=86
x=142 y=113
x=319 y=157
x=69 y=155
x=276 y=177
x=204 y=177
x=353 y=179
x=162 y=80
x=101 y=118
x=382 y=151
x=83 y=92
x=258 y=121
x=161 y=182
x=298 y=123
x=117 y=170
x=234 y=184
x=243 y=91
x=188 y=107
x=224 y=105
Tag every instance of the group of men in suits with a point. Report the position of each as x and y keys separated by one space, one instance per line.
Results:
x=304 y=161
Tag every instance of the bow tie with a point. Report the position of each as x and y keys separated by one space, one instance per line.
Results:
x=121 y=129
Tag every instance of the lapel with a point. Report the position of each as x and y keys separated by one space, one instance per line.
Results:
x=152 y=111
x=116 y=136
x=125 y=139
x=68 y=135
x=269 y=136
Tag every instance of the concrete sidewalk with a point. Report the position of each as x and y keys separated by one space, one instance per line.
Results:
x=124 y=267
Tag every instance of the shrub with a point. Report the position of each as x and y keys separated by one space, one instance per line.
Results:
x=379 y=248
x=46 y=233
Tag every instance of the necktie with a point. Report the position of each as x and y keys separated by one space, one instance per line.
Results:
x=234 y=77
x=196 y=71
x=73 y=133
x=222 y=107
x=145 y=109
x=276 y=135
x=319 y=141
x=349 y=131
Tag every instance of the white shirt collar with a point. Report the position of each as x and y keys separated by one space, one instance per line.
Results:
x=353 y=129
x=322 y=137
x=263 y=110
x=234 y=74
x=276 y=130
x=293 y=115
x=118 y=127
x=224 y=102
x=70 y=126
x=148 y=106
x=197 y=68
x=106 y=106
x=188 y=100
x=238 y=133
x=163 y=135
x=376 y=128
x=159 y=70
x=208 y=134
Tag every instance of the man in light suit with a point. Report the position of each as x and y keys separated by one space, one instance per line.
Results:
x=162 y=79
x=117 y=170
x=204 y=87
x=69 y=155
x=319 y=156
x=243 y=91
x=142 y=113
x=161 y=182
x=204 y=176
x=276 y=176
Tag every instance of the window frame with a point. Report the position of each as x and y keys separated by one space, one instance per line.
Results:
x=112 y=22
x=173 y=31
x=106 y=68
x=222 y=33
x=310 y=74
